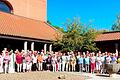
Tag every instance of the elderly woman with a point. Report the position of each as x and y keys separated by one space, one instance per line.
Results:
x=73 y=62
x=12 y=62
x=19 y=60
x=54 y=61
x=114 y=59
x=6 y=61
x=40 y=61
x=92 y=62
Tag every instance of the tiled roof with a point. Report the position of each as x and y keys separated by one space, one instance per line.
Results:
x=108 y=36
x=23 y=27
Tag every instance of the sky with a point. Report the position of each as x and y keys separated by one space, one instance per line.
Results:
x=101 y=13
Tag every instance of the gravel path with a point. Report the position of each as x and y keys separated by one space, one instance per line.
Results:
x=41 y=76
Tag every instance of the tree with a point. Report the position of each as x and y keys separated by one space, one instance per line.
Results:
x=57 y=27
x=116 y=25
x=78 y=37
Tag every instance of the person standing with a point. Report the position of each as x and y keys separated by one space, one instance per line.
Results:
x=114 y=59
x=6 y=62
x=54 y=61
x=80 y=63
x=68 y=61
x=24 y=63
x=40 y=62
x=63 y=62
x=87 y=63
x=92 y=62
x=59 y=61
x=28 y=62
x=103 y=63
x=12 y=62
x=1 y=63
x=48 y=62
x=108 y=59
x=98 y=63
x=34 y=61
x=19 y=60
x=73 y=62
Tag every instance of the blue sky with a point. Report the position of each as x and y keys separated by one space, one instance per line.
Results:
x=102 y=13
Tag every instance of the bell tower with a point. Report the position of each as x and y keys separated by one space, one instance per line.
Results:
x=33 y=9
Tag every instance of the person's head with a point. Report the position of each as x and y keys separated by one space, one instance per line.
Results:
x=91 y=54
x=6 y=53
x=86 y=55
x=87 y=52
x=53 y=55
x=5 y=49
x=83 y=53
x=81 y=56
x=16 y=51
x=103 y=54
x=11 y=52
x=113 y=55
x=49 y=55
x=106 y=53
x=99 y=54
x=63 y=54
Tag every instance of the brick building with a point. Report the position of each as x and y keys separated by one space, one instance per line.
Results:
x=23 y=25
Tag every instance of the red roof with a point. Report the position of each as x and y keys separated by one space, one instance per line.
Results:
x=108 y=36
x=23 y=27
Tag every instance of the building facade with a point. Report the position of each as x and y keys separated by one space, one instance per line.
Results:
x=109 y=42
x=23 y=25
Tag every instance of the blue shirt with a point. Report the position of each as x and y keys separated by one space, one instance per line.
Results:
x=87 y=61
x=80 y=60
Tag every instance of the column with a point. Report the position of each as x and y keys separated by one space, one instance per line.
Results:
x=32 y=46
x=25 y=46
x=50 y=48
x=116 y=48
x=45 y=48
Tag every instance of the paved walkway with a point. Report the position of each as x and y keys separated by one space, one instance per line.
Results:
x=99 y=77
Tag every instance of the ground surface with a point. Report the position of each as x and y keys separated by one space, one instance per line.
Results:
x=40 y=76
x=55 y=75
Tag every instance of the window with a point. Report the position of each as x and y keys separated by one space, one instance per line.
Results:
x=4 y=7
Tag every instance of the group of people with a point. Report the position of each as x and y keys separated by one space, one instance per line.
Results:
x=25 y=61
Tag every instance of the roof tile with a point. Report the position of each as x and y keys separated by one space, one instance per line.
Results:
x=19 y=26
x=108 y=36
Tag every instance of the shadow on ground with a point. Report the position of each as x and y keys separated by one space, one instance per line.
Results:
x=103 y=75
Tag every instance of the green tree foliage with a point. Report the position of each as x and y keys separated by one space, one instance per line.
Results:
x=116 y=25
x=78 y=37
x=57 y=27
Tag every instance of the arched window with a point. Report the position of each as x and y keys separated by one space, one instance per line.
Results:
x=5 y=6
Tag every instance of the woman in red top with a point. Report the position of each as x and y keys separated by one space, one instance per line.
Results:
x=19 y=61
